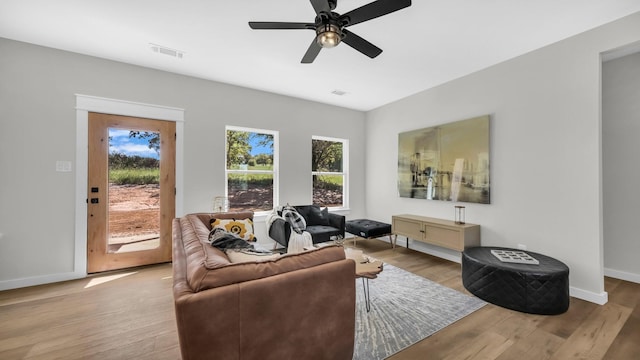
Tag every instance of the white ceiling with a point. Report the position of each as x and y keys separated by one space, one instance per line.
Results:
x=427 y=44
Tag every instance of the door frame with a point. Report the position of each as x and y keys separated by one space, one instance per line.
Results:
x=86 y=104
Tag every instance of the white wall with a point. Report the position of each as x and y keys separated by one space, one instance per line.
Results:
x=545 y=151
x=38 y=127
x=621 y=173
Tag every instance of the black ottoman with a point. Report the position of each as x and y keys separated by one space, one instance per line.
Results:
x=367 y=228
x=536 y=289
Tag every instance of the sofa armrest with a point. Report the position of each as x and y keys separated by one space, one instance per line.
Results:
x=337 y=221
x=280 y=231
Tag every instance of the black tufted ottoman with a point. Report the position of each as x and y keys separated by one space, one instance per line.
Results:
x=535 y=289
x=368 y=229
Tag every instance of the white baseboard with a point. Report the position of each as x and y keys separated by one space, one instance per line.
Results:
x=39 y=280
x=622 y=275
x=437 y=251
x=585 y=295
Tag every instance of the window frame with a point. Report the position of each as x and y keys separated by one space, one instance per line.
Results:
x=344 y=173
x=274 y=172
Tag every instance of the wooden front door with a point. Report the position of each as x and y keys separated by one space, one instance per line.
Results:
x=130 y=192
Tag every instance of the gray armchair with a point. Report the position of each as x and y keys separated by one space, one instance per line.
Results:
x=321 y=224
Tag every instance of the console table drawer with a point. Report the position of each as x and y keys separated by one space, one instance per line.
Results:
x=448 y=238
x=408 y=228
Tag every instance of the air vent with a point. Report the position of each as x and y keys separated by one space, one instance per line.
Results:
x=167 y=51
x=338 y=92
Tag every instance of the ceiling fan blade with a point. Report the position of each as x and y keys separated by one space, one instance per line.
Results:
x=373 y=10
x=267 y=25
x=360 y=44
x=320 y=6
x=312 y=52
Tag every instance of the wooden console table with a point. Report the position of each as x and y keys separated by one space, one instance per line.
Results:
x=440 y=232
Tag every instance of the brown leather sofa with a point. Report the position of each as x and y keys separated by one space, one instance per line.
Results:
x=298 y=306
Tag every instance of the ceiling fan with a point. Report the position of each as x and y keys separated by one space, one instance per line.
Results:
x=330 y=27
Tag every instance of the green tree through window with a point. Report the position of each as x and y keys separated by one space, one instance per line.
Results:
x=328 y=171
x=250 y=164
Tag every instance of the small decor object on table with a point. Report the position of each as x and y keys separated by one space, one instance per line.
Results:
x=459 y=215
x=220 y=204
x=511 y=256
x=338 y=240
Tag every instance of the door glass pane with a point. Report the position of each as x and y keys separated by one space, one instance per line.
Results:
x=134 y=190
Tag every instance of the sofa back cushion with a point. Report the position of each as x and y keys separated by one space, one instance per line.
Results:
x=234 y=273
x=314 y=215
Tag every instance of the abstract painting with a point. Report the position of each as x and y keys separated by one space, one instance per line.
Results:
x=448 y=162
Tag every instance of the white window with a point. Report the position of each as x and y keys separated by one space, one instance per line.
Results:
x=329 y=169
x=251 y=169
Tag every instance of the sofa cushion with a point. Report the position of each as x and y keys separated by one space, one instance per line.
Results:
x=243 y=228
x=214 y=257
x=236 y=256
x=314 y=215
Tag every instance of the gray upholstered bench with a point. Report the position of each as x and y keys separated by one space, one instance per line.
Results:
x=535 y=289
x=367 y=229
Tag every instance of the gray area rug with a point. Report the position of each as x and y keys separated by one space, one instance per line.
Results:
x=405 y=308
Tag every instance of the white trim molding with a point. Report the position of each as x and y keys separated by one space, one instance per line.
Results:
x=128 y=108
x=39 y=280
x=622 y=275
x=86 y=104
x=596 y=298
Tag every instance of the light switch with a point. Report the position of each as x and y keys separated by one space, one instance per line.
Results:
x=63 y=166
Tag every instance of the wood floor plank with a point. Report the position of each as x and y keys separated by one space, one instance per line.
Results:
x=592 y=339
x=627 y=344
x=564 y=325
x=625 y=293
x=130 y=315
x=537 y=345
x=488 y=345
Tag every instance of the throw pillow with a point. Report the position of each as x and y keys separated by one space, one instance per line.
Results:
x=242 y=228
x=297 y=222
x=314 y=215
x=325 y=216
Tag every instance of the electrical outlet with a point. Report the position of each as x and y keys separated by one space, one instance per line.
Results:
x=522 y=247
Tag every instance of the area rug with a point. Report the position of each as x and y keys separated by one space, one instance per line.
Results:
x=405 y=308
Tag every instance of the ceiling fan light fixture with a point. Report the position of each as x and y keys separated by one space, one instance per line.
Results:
x=329 y=35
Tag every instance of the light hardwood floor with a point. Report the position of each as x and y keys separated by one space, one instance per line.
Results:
x=129 y=315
